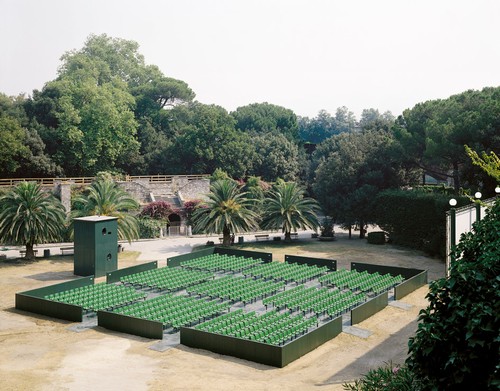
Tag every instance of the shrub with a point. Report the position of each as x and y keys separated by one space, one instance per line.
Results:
x=327 y=227
x=457 y=342
x=159 y=210
x=386 y=378
x=377 y=237
x=150 y=228
x=189 y=208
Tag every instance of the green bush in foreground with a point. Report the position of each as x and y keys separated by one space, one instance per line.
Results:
x=386 y=378
x=458 y=338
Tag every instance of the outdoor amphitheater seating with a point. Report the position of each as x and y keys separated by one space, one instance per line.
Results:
x=362 y=281
x=285 y=271
x=236 y=289
x=321 y=302
x=174 y=311
x=221 y=263
x=98 y=297
x=272 y=327
x=166 y=278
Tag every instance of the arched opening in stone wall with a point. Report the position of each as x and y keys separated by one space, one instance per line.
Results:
x=174 y=226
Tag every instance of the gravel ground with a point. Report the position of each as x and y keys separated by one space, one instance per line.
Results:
x=41 y=353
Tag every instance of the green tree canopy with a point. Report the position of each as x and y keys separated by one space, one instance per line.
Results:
x=350 y=169
x=89 y=114
x=29 y=216
x=227 y=211
x=266 y=117
x=22 y=151
x=12 y=148
x=286 y=208
x=433 y=133
x=276 y=157
x=209 y=141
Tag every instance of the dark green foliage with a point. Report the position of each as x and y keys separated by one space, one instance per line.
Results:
x=458 y=339
x=350 y=169
x=260 y=118
x=433 y=133
x=377 y=237
x=415 y=218
x=276 y=157
x=386 y=378
x=327 y=226
x=149 y=228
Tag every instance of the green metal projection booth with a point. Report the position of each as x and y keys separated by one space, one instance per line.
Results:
x=96 y=245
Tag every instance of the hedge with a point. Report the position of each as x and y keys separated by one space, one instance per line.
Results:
x=416 y=219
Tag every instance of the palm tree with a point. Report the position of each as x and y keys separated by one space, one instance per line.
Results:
x=29 y=216
x=227 y=210
x=105 y=198
x=287 y=209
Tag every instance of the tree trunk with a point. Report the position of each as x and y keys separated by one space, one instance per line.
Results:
x=288 y=238
x=350 y=231
x=226 y=236
x=30 y=254
x=456 y=178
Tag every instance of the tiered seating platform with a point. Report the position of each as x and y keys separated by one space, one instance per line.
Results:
x=231 y=301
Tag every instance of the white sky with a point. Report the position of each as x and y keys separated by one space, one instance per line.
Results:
x=305 y=55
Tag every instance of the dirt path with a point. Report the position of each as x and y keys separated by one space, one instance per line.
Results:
x=40 y=353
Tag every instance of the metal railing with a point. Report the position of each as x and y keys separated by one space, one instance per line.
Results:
x=46 y=182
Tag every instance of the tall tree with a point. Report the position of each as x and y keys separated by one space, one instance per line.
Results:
x=351 y=168
x=106 y=198
x=372 y=119
x=89 y=114
x=287 y=209
x=276 y=157
x=22 y=151
x=29 y=216
x=12 y=148
x=227 y=211
x=324 y=125
x=209 y=141
x=433 y=133
x=265 y=117
x=95 y=129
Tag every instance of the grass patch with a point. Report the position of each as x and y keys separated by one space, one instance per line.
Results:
x=128 y=255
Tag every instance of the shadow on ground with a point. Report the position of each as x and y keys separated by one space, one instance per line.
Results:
x=396 y=346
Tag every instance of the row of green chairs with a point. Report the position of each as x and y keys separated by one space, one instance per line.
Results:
x=221 y=263
x=318 y=301
x=363 y=281
x=166 y=278
x=272 y=327
x=236 y=289
x=174 y=311
x=286 y=271
x=98 y=297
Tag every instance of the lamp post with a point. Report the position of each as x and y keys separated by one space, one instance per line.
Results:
x=453 y=233
x=497 y=191
x=453 y=223
x=478 y=196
